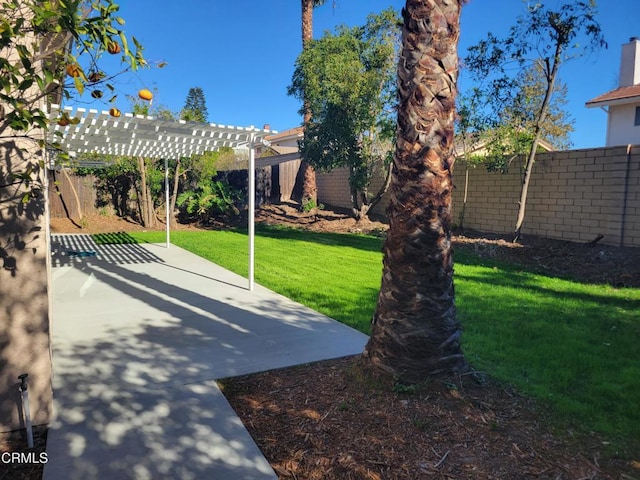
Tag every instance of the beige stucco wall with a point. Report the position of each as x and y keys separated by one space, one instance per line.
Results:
x=24 y=307
x=621 y=127
x=24 y=300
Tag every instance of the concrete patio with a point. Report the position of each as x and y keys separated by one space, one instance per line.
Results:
x=140 y=335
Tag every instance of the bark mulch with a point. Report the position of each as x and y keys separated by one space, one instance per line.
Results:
x=339 y=420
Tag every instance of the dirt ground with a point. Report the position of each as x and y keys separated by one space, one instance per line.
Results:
x=339 y=420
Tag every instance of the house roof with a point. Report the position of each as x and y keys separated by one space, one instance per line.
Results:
x=619 y=96
x=291 y=133
x=481 y=144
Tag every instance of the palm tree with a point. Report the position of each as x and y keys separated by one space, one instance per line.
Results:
x=415 y=332
x=309 y=188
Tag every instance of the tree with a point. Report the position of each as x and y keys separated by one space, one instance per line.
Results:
x=550 y=35
x=347 y=80
x=149 y=182
x=195 y=107
x=194 y=110
x=49 y=51
x=309 y=196
x=414 y=331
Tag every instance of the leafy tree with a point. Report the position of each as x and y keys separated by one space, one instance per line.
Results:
x=149 y=181
x=415 y=332
x=195 y=107
x=347 y=80
x=543 y=38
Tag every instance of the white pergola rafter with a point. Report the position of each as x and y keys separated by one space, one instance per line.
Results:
x=143 y=136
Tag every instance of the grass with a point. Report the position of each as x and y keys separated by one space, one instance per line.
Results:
x=572 y=346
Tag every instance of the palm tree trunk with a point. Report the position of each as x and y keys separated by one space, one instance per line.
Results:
x=415 y=332
x=309 y=187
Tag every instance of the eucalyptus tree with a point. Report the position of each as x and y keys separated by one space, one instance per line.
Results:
x=415 y=332
x=545 y=38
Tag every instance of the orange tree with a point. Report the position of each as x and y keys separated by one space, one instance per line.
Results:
x=51 y=50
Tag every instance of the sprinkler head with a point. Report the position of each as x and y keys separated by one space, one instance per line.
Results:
x=23 y=380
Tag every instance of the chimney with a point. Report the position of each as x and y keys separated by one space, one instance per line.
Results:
x=630 y=63
x=266 y=126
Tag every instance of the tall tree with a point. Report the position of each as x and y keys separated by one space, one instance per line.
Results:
x=546 y=37
x=347 y=79
x=309 y=187
x=195 y=106
x=415 y=332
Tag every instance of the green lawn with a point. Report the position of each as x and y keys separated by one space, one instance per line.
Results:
x=573 y=346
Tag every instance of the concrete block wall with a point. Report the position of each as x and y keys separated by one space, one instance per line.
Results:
x=574 y=195
x=333 y=188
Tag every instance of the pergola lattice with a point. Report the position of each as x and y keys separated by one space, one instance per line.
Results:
x=150 y=137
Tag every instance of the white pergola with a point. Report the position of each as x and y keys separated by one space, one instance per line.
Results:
x=150 y=137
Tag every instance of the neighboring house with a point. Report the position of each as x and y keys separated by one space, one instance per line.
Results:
x=479 y=148
x=283 y=142
x=623 y=104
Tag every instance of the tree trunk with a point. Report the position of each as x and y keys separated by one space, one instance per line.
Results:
x=309 y=188
x=151 y=213
x=361 y=212
x=415 y=332
x=528 y=169
x=76 y=197
x=144 y=205
x=174 y=195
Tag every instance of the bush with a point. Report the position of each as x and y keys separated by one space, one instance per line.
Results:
x=209 y=201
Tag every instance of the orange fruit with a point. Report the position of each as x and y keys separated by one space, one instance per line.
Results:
x=114 y=112
x=63 y=121
x=95 y=76
x=73 y=70
x=113 y=48
x=145 y=94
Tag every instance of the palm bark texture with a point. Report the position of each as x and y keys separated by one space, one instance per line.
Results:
x=415 y=331
x=309 y=187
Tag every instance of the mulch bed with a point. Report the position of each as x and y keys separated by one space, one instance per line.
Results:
x=339 y=420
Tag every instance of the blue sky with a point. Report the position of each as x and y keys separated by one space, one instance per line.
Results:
x=241 y=53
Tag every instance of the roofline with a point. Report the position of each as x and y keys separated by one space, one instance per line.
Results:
x=613 y=102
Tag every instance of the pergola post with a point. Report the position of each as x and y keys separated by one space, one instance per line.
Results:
x=252 y=209
x=166 y=194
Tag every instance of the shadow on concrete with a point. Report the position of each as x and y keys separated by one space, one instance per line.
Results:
x=137 y=349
